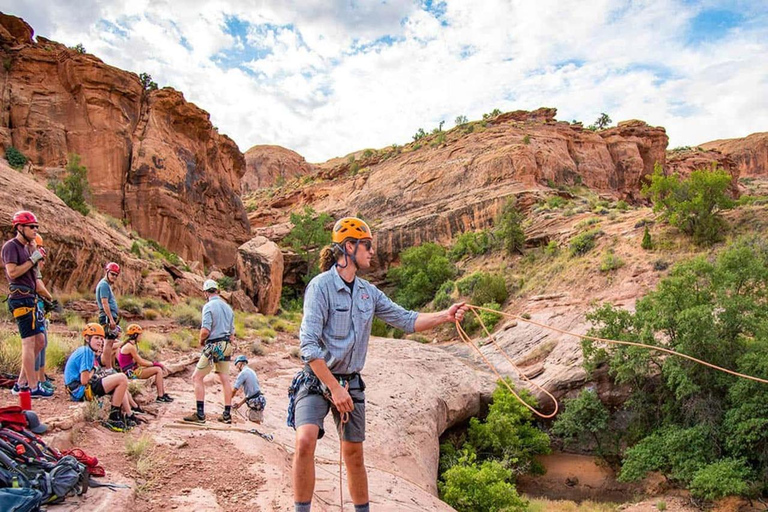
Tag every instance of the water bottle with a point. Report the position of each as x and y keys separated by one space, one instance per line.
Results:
x=25 y=399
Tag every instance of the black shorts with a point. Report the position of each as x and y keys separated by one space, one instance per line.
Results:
x=108 y=335
x=29 y=323
x=97 y=388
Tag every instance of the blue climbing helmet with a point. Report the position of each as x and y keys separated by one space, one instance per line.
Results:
x=241 y=359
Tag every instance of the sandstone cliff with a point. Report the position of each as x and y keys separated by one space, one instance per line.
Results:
x=749 y=153
x=266 y=166
x=153 y=158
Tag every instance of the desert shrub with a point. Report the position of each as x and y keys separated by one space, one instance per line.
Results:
x=610 y=262
x=472 y=243
x=444 y=296
x=151 y=314
x=480 y=487
x=308 y=235
x=582 y=243
x=472 y=325
x=10 y=352
x=483 y=287
x=74 y=188
x=587 y=222
x=421 y=272
x=722 y=478
x=693 y=204
x=527 y=139
x=509 y=228
x=257 y=349
x=170 y=257
x=147 y=83
x=226 y=283
x=584 y=417
x=461 y=120
x=187 y=315
x=647 y=243
x=16 y=158
x=131 y=304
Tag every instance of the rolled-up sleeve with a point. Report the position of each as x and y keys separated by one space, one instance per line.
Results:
x=394 y=314
x=315 y=315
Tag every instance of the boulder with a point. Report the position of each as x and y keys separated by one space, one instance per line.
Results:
x=260 y=270
x=159 y=284
x=242 y=302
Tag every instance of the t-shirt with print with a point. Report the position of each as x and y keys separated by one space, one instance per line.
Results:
x=15 y=252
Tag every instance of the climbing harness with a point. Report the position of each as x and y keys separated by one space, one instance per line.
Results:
x=466 y=339
x=217 y=350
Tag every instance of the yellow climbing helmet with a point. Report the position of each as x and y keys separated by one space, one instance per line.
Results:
x=93 y=329
x=350 y=227
x=134 y=330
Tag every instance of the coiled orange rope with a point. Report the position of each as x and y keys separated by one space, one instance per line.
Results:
x=466 y=339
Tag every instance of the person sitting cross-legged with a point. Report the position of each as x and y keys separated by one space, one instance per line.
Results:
x=136 y=367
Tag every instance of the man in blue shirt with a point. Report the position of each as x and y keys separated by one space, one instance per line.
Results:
x=218 y=326
x=108 y=312
x=252 y=394
x=338 y=313
x=83 y=383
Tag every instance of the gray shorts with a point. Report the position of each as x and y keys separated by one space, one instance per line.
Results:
x=311 y=409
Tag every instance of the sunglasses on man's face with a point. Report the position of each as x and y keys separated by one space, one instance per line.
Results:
x=115 y=274
x=33 y=226
x=367 y=244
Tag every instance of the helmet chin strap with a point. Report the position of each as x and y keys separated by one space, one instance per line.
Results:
x=349 y=257
x=20 y=230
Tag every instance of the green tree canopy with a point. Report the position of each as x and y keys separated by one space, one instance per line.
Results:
x=308 y=236
x=421 y=272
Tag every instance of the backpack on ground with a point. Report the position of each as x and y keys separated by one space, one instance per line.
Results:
x=20 y=500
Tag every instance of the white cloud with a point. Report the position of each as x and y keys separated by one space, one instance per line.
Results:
x=326 y=78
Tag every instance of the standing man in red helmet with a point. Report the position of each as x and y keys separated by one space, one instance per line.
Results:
x=108 y=312
x=20 y=258
x=339 y=308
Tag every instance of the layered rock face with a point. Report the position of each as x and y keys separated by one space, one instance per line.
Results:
x=433 y=192
x=78 y=247
x=749 y=153
x=152 y=158
x=266 y=166
x=682 y=162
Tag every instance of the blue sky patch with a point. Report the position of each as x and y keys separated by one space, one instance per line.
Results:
x=112 y=28
x=436 y=9
x=713 y=24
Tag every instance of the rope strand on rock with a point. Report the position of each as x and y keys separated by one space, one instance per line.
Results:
x=466 y=339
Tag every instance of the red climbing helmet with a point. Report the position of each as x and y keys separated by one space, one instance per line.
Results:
x=112 y=267
x=23 y=218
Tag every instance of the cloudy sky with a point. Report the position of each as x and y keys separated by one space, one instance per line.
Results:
x=328 y=77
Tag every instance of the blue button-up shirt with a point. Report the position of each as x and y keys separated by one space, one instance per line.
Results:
x=337 y=324
x=218 y=318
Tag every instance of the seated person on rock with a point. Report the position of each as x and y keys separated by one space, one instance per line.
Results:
x=136 y=367
x=252 y=393
x=83 y=383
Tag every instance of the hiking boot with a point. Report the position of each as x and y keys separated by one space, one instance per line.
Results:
x=115 y=425
x=226 y=418
x=194 y=418
x=164 y=399
x=41 y=392
x=131 y=421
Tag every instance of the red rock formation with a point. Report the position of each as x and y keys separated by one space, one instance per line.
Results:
x=682 y=162
x=267 y=165
x=431 y=190
x=152 y=158
x=749 y=153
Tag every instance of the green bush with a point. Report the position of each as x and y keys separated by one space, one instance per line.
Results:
x=482 y=287
x=693 y=204
x=584 y=417
x=509 y=228
x=461 y=120
x=472 y=325
x=74 y=189
x=421 y=272
x=187 y=315
x=131 y=304
x=16 y=158
x=508 y=433
x=610 y=262
x=647 y=243
x=583 y=243
x=472 y=243
x=480 y=487
x=551 y=249
x=226 y=283
x=167 y=255
x=444 y=296
x=725 y=477
x=527 y=139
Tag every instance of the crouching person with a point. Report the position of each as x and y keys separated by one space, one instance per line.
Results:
x=136 y=367
x=252 y=395
x=83 y=384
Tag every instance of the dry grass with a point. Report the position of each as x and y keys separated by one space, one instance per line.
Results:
x=93 y=411
x=185 y=340
x=59 y=349
x=10 y=352
x=545 y=505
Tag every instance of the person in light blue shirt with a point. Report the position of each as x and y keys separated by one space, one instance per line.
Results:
x=109 y=315
x=218 y=326
x=339 y=308
x=252 y=395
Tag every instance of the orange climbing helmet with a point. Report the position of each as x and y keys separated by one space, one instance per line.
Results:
x=134 y=330
x=93 y=329
x=350 y=227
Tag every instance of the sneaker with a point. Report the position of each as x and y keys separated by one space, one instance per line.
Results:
x=138 y=409
x=41 y=392
x=131 y=421
x=115 y=425
x=226 y=418
x=16 y=390
x=164 y=399
x=194 y=418
x=48 y=385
